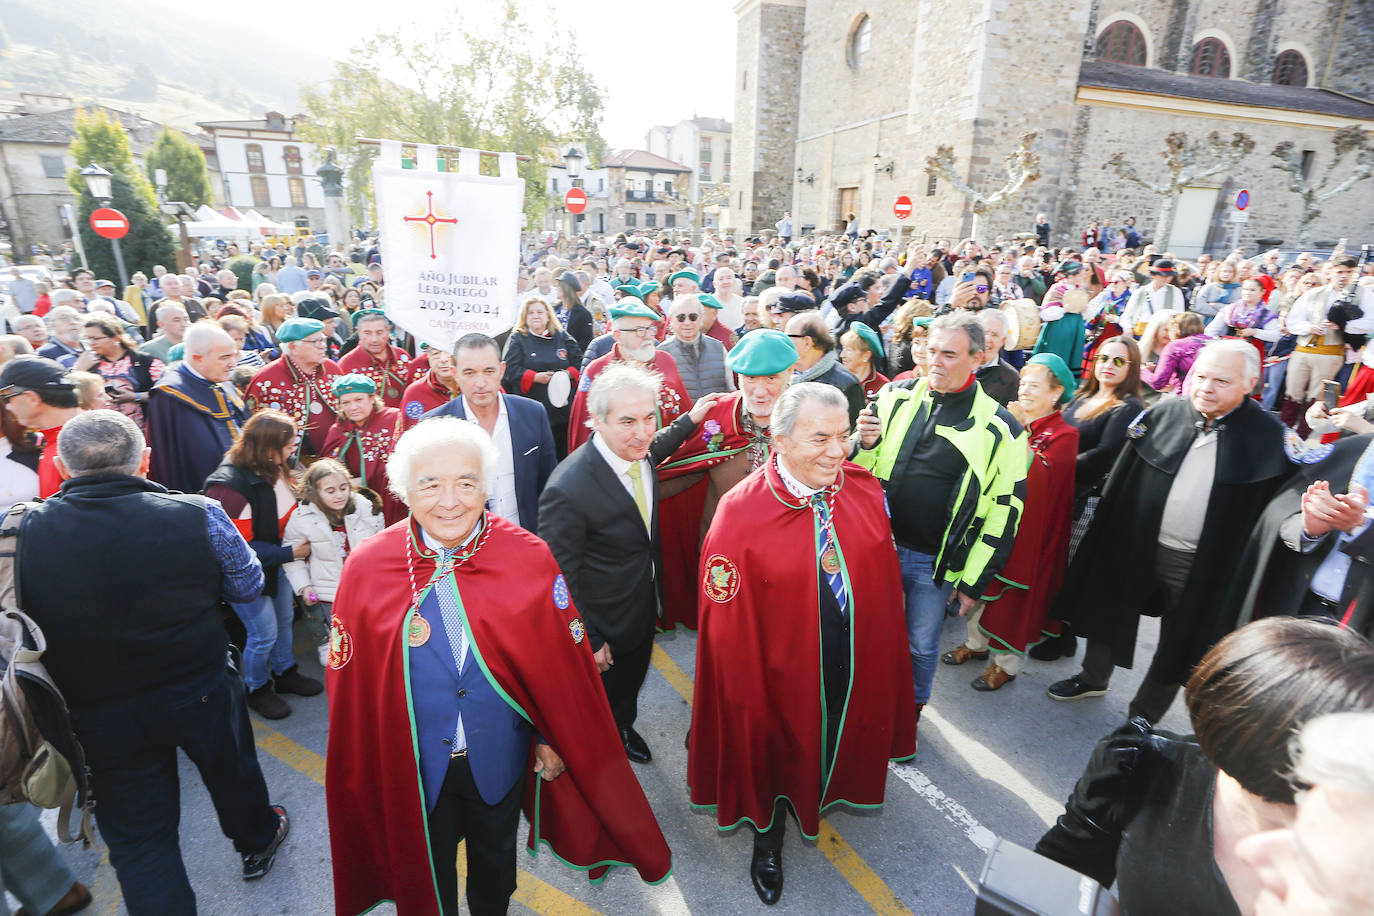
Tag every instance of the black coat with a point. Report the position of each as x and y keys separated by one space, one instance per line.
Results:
x=1000 y=381
x=612 y=563
x=841 y=378
x=1110 y=581
x=1271 y=579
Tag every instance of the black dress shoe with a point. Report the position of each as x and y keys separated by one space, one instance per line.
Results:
x=635 y=748
x=766 y=873
x=1054 y=648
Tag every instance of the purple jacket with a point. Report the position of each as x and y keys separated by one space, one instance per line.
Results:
x=1174 y=363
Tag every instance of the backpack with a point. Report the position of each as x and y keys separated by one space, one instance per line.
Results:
x=41 y=761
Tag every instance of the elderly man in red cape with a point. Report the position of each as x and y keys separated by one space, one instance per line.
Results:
x=632 y=323
x=803 y=683
x=730 y=444
x=298 y=383
x=462 y=688
x=377 y=358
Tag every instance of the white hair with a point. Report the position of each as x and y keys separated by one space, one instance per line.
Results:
x=59 y=299
x=439 y=434
x=169 y=309
x=1335 y=749
x=999 y=315
x=616 y=380
x=1242 y=348
x=804 y=394
x=203 y=336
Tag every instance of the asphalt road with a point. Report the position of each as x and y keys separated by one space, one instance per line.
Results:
x=987 y=765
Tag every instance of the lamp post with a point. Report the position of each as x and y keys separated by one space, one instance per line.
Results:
x=572 y=161
x=99 y=182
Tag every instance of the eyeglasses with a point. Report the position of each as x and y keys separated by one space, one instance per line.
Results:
x=1117 y=361
x=687 y=316
x=641 y=332
x=799 y=336
x=10 y=391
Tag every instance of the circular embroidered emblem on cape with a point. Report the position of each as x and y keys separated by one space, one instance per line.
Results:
x=577 y=629
x=275 y=405
x=562 y=354
x=417 y=634
x=561 y=597
x=392 y=393
x=415 y=410
x=316 y=407
x=721 y=582
x=340 y=644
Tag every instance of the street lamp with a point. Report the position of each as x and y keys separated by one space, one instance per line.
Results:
x=98 y=182
x=572 y=161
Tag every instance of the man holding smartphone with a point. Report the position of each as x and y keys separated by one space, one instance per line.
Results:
x=973 y=291
x=1321 y=348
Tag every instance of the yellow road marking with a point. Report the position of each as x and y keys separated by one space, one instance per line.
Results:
x=847 y=862
x=530 y=891
x=105 y=885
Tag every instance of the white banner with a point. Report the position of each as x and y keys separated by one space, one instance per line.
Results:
x=450 y=247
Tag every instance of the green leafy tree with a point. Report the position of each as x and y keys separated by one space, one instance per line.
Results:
x=487 y=82
x=103 y=141
x=188 y=179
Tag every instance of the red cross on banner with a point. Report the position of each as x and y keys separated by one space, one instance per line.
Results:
x=430 y=218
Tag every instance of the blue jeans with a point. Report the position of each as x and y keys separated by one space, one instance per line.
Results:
x=925 y=616
x=268 y=644
x=131 y=748
x=30 y=867
x=1274 y=378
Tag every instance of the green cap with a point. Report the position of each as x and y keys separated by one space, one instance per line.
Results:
x=298 y=329
x=176 y=353
x=648 y=288
x=353 y=383
x=687 y=275
x=360 y=314
x=1069 y=268
x=870 y=338
x=630 y=307
x=710 y=301
x=763 y=351
x=1056 y=364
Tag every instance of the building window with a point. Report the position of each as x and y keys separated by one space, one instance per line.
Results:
x=601 y=184
x=650 y=220
x=1290 y=69
x=930 y=186
x=629 y=220
x=741 y=200
x=744 y=80
x=291 y=155
x=1210 y=58
x=1122 y=43
x=297 y=188
x=261 y=198
x=670 y=220
x=52 y=167
x=859 y=37
x=254 y=153
x=1308 y=157
x=704 y=158
x=668 y=188
x=555 y=185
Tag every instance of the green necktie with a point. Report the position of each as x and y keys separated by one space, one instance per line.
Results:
x=634 y=472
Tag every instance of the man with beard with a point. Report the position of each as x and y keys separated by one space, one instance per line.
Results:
x=377 y=357
x=298 y=382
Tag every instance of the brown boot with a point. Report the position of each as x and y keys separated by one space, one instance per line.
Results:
x=992 y=678
x=961 y=654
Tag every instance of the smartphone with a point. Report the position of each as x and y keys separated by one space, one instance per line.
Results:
x=968 y=276
x=1331 y=394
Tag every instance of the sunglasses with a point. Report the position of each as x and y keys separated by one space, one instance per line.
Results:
x=687 y=316
x=1117 y=361
x=980 y=288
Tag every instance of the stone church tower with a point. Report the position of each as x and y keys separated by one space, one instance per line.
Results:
x=839 y=102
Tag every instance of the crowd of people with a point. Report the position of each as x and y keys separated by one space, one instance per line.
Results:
x=728 y=437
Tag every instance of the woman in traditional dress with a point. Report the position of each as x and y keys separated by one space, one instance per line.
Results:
x=1062 y=330
x=363 y=436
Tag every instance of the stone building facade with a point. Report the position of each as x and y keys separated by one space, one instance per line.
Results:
x=880 y=84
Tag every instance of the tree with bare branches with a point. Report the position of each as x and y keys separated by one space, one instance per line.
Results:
x=1023 y=167
x=1346 y=141
x=1185 y=163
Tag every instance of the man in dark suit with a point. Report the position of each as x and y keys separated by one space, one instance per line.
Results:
x=519 y=428
x=599 y=516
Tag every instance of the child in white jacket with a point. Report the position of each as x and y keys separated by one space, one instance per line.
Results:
x=334 y=518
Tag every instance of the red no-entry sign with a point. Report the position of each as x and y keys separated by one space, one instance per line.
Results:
x=109 y=223
x=901 y=207
x=575 y=200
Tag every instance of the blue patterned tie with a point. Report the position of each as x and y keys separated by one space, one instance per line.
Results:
x=445 y=590
x=836 y=578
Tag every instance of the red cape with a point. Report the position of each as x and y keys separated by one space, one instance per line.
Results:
x=594 y=816
x=717 y=439
x=391 y=376
x=280 y=386
x=1021 y=595
x=757 y=716
x=365 y=452
x=422 y=395
x=673 y=399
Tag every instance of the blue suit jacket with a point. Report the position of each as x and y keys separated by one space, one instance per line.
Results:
x=531 y=439
x=498 y=738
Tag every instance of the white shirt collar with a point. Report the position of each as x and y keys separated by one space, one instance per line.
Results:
x=618 y=464
x=794 y=486
x=472 y=415
x=433 y=544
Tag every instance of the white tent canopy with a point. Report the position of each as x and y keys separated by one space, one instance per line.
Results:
x=211 y=223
